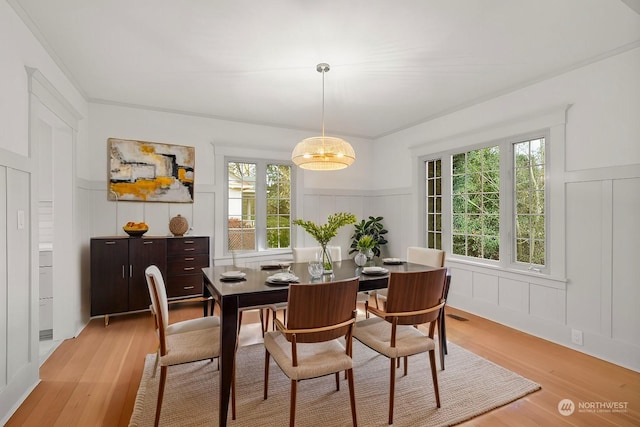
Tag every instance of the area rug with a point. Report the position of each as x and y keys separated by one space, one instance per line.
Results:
x=469 y=386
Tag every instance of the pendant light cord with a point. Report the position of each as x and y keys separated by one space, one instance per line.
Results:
x=323 y=71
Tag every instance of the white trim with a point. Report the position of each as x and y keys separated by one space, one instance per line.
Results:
x=520 y=125
x=509 y=273
x=51 y=98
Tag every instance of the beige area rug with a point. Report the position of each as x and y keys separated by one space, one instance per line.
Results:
x=469 y=386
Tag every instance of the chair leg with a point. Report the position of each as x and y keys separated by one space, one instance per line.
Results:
x=163 y=380
x=352 y=397
x=338 y=380
x=292 y=410
x=266 y=373
x=406 y=365
x=155 y=365
x=392 y=389
x=434 y=376
x=366 y=308
x=262 y=327
x=442 y=340
x=233 y=391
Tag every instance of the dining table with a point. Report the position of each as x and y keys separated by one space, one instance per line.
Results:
x=253 y=289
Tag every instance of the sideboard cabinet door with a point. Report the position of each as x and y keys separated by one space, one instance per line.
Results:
x=143 y=253
x=109 y=276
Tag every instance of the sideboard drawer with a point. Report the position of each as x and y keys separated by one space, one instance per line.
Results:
x=187 y=264
x=185 y=285
x=188 y=245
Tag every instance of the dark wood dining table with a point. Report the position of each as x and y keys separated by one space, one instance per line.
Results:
x=255 y=291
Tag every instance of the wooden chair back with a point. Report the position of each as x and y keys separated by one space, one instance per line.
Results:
x=321 y=307
x=415 y=291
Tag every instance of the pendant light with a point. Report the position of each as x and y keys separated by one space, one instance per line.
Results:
x=323 y=153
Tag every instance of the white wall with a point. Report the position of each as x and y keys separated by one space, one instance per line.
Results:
x=599 y=182
x=213 y=139
x=19 y=361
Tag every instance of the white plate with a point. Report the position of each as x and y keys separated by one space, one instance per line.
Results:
x=392 y=260
x=282 y=277
x=233 y=274
x=375 y=270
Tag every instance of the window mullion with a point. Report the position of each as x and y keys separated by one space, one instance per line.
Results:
x=446 y=204
x=507 y=190
x=261 y=206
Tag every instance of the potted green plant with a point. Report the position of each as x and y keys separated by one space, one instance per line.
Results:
x=325 y=232
x=365 y=247
x=372 y=227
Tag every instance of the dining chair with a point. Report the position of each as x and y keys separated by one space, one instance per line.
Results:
x=413 y=298
x=315 y=341
x=434 y=258
x=262 y=309
x=187 y=341
x=335 y=252
x=309 y=253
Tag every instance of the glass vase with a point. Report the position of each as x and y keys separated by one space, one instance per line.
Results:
x=326 y=260
x=360 y=259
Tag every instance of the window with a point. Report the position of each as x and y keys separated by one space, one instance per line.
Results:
x=434 y=203
x=496 y=203
x=476 y=203
x=258 y=205
x=278 y=206
x=529 y=201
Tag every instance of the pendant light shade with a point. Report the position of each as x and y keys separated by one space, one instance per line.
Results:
x=323 y=153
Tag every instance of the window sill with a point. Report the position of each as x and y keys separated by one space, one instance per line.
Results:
x=537 y=278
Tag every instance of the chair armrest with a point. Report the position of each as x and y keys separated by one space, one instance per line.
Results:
x=312 y=330
x=376 y=311
x=413 y=313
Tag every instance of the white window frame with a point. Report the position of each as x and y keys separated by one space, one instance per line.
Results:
x=555 y=120
x=507 y=196
x=261 y=203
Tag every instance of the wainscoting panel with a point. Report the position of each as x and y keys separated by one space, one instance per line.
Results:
x=626 y=265
x=585 y=236
x=513 y=294
x=547 y=303
x=461 y=283
x=485 y=287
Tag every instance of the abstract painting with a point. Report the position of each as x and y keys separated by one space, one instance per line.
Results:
x=150 y=171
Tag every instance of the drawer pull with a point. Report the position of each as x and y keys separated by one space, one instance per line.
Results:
x=186 y=288
x=189 y=268
x=189 y=259
x=189 y=249
x=147 y=242
x=110 y=242
x=188 y=242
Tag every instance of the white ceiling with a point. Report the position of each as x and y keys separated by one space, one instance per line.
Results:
x=393 y=63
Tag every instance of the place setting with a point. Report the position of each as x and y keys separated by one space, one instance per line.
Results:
x=392 y=261
x=282 y=279
x=233 y=276
x=374 y=271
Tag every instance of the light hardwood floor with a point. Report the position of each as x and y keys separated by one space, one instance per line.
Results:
x=92 y=380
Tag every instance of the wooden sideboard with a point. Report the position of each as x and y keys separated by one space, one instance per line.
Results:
x=118 y=284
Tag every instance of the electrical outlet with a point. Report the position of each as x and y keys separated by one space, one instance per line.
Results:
x=576 y=336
